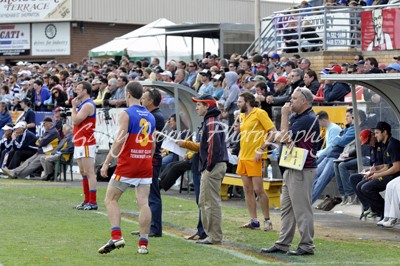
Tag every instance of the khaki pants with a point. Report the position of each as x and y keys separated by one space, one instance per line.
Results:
x=296 y=207
x=210 y=202
x=48 y=162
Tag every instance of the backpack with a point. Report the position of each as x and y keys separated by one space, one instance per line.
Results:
x=328 y=203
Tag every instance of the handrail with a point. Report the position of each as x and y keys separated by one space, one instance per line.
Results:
x=337 y=28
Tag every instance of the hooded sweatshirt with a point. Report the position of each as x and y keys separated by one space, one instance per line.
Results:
x=231 y=93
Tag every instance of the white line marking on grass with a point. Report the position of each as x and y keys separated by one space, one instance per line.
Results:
x=228 y=251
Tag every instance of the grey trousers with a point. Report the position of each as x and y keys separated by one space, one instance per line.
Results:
x=48 y=163
x=210 y=202
x=29 y=166
x=296 y=207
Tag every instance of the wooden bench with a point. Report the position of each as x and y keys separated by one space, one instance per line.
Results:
x=271 y=186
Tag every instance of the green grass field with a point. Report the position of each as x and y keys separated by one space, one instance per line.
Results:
x=39 y=227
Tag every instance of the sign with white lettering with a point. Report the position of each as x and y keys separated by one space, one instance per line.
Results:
x=14 y=39
x=51 y=39
x=34 y=10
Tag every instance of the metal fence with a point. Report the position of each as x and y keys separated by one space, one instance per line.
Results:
x=311 y=29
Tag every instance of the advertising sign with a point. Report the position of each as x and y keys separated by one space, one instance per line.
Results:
x=378 y=28
x=51 y=39
x=34 y=10
x=14 y=39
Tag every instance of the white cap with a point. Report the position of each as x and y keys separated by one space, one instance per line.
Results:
x=7 y=128
x=166 y=73
x=217 y=77
x=20 y=63
x=5 y=68
x=21 y=124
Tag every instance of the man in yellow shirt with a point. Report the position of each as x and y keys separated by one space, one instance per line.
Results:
x=256 y=133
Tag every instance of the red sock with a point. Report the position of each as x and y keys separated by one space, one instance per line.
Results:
x=85 y=185
x=92 y=196
x=143 y=242
x=116 y=233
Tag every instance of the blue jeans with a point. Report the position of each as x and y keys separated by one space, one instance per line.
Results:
x=325 y=172
x=342 y=173
x=155 y=202
x=196 y=183
x=171 y=157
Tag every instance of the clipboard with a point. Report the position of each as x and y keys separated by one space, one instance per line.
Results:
x=294 y=158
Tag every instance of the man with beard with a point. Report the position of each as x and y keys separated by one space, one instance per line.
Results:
x=255 y=122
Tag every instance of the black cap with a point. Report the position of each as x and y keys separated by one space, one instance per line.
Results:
x=48 y=119
x=397 y=57
x=382 y=126
x=205 y=98
x=290 y=63
x=26 y=101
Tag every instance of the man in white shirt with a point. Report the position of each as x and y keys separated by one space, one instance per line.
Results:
x=332 y=130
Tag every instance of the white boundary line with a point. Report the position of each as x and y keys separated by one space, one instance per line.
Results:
x=234 y=253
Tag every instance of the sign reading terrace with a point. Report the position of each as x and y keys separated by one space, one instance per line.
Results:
x=34 y=10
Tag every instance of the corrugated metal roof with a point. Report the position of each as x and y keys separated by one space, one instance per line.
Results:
x=143 y=12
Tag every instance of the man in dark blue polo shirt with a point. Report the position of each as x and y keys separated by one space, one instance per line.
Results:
x=367 y=137
x=302 y=130
x=380 y=177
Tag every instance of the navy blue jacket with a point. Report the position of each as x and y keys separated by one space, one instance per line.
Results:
x=25 y=141
x=336 y=91
x=212 y=142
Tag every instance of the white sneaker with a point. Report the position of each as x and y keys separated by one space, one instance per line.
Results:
x=142 y=250
x=267 y=225
x=381 y=222
x=389 y=224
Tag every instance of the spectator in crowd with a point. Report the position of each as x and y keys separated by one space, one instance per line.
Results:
x=290 y=38
x=289 y=66
x=180 y=77
x=311 y=81
x=262 y=92
x=41 y=95
x=171 y=67
x=207 y=86
x=23 y=145
x=217 y=84
x=282 y=93
x=230 y=96
x=371 y=66
x=167 y=76
x=29 y=116
x=24 y=86
x=102 y=92
x=193 y=71
x=312 y=40
x=335 y=91
x=14 y=87
x=5 y=117
x=325 y=170
x=332 y=131
x=5 y=95
x=393 y=68
x=64 y=149
x=380 y=177
x=46 y=143
x=254 y=121
x=96 y=88
x=305 y=65
x=6 y=143
x=118 y=99
x=377 y=149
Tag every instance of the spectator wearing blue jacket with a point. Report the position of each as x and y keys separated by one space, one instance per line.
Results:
x=335 y=91
x=41 y=94
x=5 y=117
x=325 y=170
x=332 y=131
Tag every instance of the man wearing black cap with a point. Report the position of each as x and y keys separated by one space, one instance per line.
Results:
x=28 y=116
x=397 y=58
x=213 y=157
x=380 y=176
x=207 y=86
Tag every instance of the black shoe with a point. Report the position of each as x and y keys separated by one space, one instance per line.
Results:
x=111 y=245
x=272 y=249
x=155 y=235
x=299 y=252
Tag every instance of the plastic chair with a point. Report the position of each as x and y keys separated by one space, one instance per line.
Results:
x=61 y=164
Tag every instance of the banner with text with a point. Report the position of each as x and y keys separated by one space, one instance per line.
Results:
x=14 y=39
x=51 y=39
x=12 y=11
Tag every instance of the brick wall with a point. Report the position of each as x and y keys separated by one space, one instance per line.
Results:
x=320 y=60
x=93 y=35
